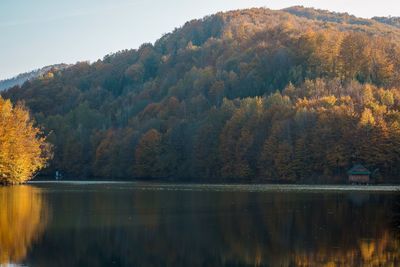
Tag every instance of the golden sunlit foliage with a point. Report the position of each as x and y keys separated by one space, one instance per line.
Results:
x=22 y=149
x=23 y=218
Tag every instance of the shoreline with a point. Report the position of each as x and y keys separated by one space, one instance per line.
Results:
x=230 y=187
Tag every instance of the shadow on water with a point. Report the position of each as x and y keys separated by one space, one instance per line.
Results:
x=396 y=215
x=23 y=218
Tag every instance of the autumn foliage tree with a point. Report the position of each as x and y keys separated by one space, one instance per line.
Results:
x=23 y=149
x=148 y=153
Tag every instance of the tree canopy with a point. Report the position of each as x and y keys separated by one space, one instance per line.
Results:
x=23 y=150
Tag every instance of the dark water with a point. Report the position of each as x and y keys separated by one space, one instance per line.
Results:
x=156 y=225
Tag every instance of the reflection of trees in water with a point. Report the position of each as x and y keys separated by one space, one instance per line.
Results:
x=214 y=229
x=382 y=251
x=311 y=230
x=23 y=217
x=396 y=214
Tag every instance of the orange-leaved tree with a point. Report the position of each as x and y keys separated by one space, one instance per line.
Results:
x=23 y=148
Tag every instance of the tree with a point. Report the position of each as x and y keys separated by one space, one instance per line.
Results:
x=353 y=56
x=23 y=149
x=147 y=154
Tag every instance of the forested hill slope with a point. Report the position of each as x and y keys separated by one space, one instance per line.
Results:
x=297 y=95
x=343 y=18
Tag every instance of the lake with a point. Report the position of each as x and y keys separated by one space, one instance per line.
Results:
x=148 y=224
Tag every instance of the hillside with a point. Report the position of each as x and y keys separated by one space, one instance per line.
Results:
x=21 y=78
x=296 y=95
x=342 y=18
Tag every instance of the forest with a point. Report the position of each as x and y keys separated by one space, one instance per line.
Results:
x=297 y=95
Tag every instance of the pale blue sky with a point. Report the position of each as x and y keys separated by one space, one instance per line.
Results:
x=35 y=33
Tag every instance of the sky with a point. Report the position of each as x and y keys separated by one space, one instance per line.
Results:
x=36 y=33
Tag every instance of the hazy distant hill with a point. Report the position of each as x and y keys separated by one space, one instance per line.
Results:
x=393 y=21
x=294 y=95
x=21 y=78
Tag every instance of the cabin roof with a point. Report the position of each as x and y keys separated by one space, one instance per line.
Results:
x=359 y=170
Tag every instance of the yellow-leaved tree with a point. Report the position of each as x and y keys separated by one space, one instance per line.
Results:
x=23 y=148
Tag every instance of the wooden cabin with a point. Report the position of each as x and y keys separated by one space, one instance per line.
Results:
x=359 y=175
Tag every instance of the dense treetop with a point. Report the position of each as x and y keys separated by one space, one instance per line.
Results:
x=292 y=95
x=23 y=149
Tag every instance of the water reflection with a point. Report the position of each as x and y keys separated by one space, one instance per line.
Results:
x=23 y=217
x=115 y=226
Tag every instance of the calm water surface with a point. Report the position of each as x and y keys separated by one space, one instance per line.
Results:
x=138 y=224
